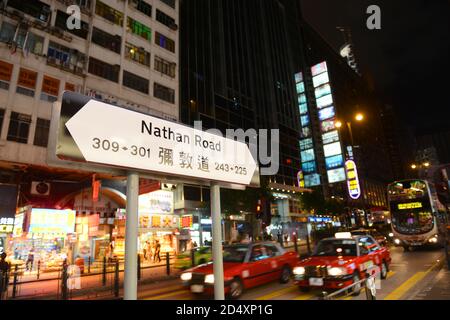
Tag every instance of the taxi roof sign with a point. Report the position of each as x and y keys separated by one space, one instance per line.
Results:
x=342 y=235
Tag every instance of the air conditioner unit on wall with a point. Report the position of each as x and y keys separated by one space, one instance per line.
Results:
x=40 y=188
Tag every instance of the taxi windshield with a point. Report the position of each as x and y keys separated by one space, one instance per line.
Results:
x=235 y=253
x=336 y=247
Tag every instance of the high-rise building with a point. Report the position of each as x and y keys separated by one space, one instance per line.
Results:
x=123 y=52
x=237 y=72
x=330 y=96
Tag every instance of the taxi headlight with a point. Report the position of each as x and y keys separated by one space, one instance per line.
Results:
x=337 y=271
x=299 y=270
x=391 y=235
x=186 y=276
x=397 y=241
x=433 y=240
x=209 y=278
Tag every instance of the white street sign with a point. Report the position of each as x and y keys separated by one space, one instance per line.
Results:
x=110 y=135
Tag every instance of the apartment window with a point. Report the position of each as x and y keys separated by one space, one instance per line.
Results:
x=164 y=42
x=41 y=134
x=163 y=93
x=7 y=32
x=104 y=70
x=6 y=70
x=27 y=82
x=165 y=19
x=135 y=82
x=70 y=59
x=34 y=44
x=106 y=40
x=139 y=29
x=2 y=116
x=165 y=67
x=61 y=22
x=170 y=3
x=109 y=13
x=143 y=7
x=19 y=126
x=137 y=54
x=34 y=8
x=50 y=89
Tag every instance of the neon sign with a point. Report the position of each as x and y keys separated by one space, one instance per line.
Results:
x=411 y=205
x=354 y=189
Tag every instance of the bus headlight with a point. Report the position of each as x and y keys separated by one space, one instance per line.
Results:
x=433 y=240
x=209 y=278
x=299 y=270
x=391 y=235
x=186 y=276
x=337 y=271
x=397 y=241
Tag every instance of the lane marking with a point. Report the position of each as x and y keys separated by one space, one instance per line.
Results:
x=305 y=296
x=277 y=293
x=390 y=274
x=150 y=292
x=408 y=284
x=167 y=295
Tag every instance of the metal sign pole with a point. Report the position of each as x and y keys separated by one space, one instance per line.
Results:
x=131 y=236
x=219 y=290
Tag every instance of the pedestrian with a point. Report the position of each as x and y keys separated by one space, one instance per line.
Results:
x=30 y=260
x=16 y=253
x=4 y=273
x=144 y=249
x=157 y=252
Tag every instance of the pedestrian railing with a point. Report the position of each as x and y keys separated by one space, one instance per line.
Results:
x=99 y=278
x=367 y=284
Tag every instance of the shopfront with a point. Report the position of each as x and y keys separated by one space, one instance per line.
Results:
x=6 y=230
x=95 y=223
x=43 y=235
x=157 y=223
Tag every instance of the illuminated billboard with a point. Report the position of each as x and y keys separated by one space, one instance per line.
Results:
x=52 y=221
x=304 y=120
x=332 y=149
x=312 y=180
x=320 y=79
x=160 y=201
x=319 y=68
x=330 y=137
x=307 y=155
x=324 y=101
x=327 y=125
x=309 y=167
x=354 y=189
x=303 y=108
x=306 y=144
x=326 y=113
x=334 y=162
x=300 y=87
x=322 y=91
x=336 y=175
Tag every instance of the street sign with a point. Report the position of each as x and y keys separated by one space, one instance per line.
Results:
x=113 y=136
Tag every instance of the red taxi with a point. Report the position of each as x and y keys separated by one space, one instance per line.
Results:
x=245 y=266
x=341 y=261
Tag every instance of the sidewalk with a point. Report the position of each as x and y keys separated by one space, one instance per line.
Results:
x=439 y=287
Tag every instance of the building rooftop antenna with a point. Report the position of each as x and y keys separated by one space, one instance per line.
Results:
x=346 y=50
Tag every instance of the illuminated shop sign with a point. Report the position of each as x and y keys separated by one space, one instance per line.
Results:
x=52 y=221
x=354 y=189
x=326 y=113
x=160 y=201
x=300 y=179
x=411 y=205
x=158 y=221
x=6 y=225
x=186 y=221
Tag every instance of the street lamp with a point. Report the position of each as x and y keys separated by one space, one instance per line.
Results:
x=338 y=124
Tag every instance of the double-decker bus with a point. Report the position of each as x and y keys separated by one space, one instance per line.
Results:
x=418 y=218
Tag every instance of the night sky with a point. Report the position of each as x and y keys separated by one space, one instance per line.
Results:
x=407 y=58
